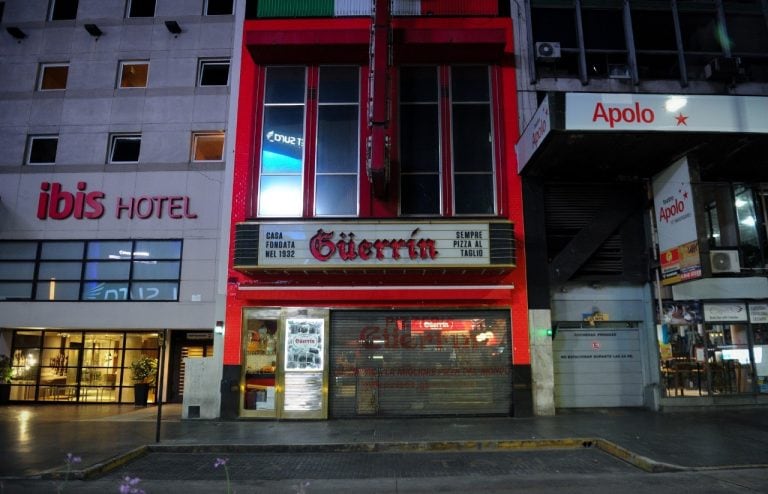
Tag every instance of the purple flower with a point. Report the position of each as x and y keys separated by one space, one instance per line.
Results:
x=72 y=459
x=220 y=462
x=129 y=486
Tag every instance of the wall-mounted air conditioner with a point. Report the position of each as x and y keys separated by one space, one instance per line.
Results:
x=547 y=50
x=724 y=261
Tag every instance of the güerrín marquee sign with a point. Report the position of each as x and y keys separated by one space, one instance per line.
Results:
x=373 y=244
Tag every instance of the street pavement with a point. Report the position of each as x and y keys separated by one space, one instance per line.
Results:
x=604 y=450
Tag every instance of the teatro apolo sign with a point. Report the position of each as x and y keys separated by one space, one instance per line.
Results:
x=58 y=204
x=373 y=244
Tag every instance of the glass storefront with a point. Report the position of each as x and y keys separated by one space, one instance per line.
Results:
x=77 y=366
x=704 y=357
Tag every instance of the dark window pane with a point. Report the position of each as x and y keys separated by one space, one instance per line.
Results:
x=472 y=138
x=603 y=29
x=285 y=85
x=557 y=25
x=219 y=7
x=157 y=249
x=142 y=8
x=156 y=270
x=336 y=195
x=116 y=270
x=18 y=250
x=214 y=73
x=117 y=249
x=54 y=77
x=654 y=30
x=473 y=194
x=43 y=149
x=58 y=290
x=15 y=291
x=59 y=270
x=17 y=270
x=699 y=31
x=339 y=85
x=419 y=138
x=155 y=291
x=64 y=9
x=100 y=290
x=337 y=139
x=418 y=84
x=62 y=250
x=126 y=149
x=420 y=194
x=283 y=140
x=469 y=84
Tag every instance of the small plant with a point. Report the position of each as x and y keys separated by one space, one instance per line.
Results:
x=6 y=370
x=222 y=462
x=129 y=486
x=69 y=461
x=144 y=369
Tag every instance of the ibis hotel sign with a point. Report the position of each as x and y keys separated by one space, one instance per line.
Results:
x=373 y=244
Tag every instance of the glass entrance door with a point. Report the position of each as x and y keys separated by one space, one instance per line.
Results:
x=729 y=360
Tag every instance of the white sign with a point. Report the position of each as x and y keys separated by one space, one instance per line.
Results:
x=343 y=245
x=673 y=203
x=725 y=312
x=533 y=135
x=660 y=112
x=758 y=313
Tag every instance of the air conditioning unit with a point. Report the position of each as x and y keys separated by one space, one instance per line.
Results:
x=547 y=50
x=724 y=261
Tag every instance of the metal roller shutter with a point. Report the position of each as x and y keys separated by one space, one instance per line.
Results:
x=420 y=363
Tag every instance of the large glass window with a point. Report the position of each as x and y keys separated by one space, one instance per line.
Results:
x=423 y=155
x=90 y=270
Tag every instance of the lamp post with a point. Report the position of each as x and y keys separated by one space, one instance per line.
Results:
x=159 y=396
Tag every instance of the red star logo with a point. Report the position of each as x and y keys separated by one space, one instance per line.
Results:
x=681 y=119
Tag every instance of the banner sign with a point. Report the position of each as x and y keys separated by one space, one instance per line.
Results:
x=734 y=312
x=534 y=134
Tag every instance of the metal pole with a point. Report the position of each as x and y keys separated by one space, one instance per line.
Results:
x=159 y=395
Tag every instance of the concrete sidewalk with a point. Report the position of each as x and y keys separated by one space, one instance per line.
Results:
x=104 y=437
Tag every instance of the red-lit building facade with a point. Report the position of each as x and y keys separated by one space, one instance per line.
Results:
x=375 y=261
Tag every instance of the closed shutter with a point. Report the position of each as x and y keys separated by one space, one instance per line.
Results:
x=295 y=8
x=352 y=7
x=419 y=363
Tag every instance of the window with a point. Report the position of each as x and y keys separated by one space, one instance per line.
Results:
x=42 y=149
x=53 y=76
x=141 y=8
x=134 y=74
x=213 y=73
x=100 y=270
x=427 y=173
x=218 y=7
x=335 y=123
x=208 y=146
x=63 y=10
x=124 y=148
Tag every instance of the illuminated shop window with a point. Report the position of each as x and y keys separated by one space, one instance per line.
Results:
x=103 y=270
x=207 y=146
x=336 y=156
x=53 y=76
x=134 y=74
x=42 y=149
x=63 y=10
x=424 y=163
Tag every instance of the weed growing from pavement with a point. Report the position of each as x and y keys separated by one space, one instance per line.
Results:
x=69 y=460
x=222 y=462
x=129 y=486
x=301 y=488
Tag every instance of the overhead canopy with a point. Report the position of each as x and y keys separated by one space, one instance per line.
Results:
x=609 y=137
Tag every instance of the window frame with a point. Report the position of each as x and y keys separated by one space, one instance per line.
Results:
x=123 y=65
x=129 y=8
x=203 y=63
x=197 y=135
x=30 y=146
x=52 y=9
x=85 y=260
x=44 y=67
x=113 y=140
x=207 y=8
